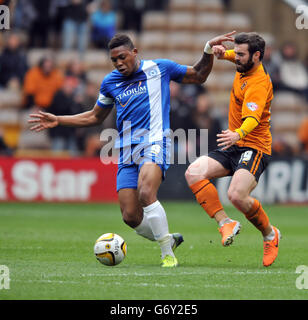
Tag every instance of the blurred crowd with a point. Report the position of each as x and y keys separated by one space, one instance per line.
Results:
x=78 y=24
x=84 y=24
x=289 y=74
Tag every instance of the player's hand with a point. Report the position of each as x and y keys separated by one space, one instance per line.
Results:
x=227 y=138
x=219 y=51
x=223 y=38
x=42 y=121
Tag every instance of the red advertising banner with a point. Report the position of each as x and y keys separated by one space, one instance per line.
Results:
x=77 y=179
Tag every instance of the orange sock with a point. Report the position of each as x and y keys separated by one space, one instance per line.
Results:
x=207 y=196
x=257 y=216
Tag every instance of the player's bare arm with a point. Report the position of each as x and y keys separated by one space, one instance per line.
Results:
x=44 y=120
x=200 y=71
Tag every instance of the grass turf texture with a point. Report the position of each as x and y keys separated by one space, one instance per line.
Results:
x=49 y=251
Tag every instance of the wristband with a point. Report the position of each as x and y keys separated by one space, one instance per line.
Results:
x=241 y=132
x=208 y=49
x=247 y=126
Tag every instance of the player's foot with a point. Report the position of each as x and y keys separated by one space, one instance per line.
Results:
x=177 y=240
x=228 y=231
x=169 y=262
x=270 y=249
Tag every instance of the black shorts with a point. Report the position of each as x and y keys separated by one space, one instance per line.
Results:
x=235 y=158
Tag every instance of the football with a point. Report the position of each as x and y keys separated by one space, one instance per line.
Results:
x=110 y=249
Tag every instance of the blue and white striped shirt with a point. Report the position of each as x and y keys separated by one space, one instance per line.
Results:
x=142 y=99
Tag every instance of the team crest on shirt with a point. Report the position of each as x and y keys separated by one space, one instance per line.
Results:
x=252 y=106
x=152 y=72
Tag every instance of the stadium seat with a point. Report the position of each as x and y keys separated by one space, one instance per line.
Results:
x=153 y=20
x=10 y=99
x=209 y=5
x=9 y=117
x=285 y=100
x=200 y=38
x=183 y=57
x=181 y=21
x=182 y=5
x=31 y=140
x=237 y=21
x=285 y=121
x=152 y=40
x=205 y=21
x=96 y=59
x=153 y=54
x=97 y=76
x=179 y=40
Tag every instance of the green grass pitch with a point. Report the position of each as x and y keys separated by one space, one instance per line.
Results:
x=49 y=251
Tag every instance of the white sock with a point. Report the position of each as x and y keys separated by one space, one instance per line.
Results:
x=226 y=220
x=144 y=229
x=157 y=219
x=270 y=236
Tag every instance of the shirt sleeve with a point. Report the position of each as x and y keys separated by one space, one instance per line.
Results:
x=254 y=101
x=104 y=98
x=229 y=55
x=175 y=70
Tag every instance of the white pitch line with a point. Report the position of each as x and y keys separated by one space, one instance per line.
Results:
x=134 y=274
x=147 y=284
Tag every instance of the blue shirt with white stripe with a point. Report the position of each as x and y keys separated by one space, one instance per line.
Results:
x=142 y=100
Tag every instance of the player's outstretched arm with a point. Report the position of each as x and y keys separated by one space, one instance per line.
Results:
x=200 y=71
x=44 y=120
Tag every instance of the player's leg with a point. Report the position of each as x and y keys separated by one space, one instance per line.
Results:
x=198 y=177
x=132 y=213
x=242 y=184
x=150 y=177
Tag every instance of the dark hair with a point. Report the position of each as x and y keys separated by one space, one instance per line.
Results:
x=120 y=40
x=45 y=58
x=254 y=41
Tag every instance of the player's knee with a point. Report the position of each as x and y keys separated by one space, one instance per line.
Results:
x=236 y=198
x=130 y=218
x=193 y=176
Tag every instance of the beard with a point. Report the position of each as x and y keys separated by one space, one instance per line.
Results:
x=243 y=68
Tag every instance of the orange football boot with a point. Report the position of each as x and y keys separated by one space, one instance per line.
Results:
x=270 y=249
x=228 y=231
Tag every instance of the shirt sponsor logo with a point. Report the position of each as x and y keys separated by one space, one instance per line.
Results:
x=155 y=149
x=252 y=106
x=131 y=91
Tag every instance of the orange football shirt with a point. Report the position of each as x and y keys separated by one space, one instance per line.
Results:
x=251 y=96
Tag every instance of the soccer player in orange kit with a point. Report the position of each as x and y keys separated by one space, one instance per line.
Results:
x=244 y=148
